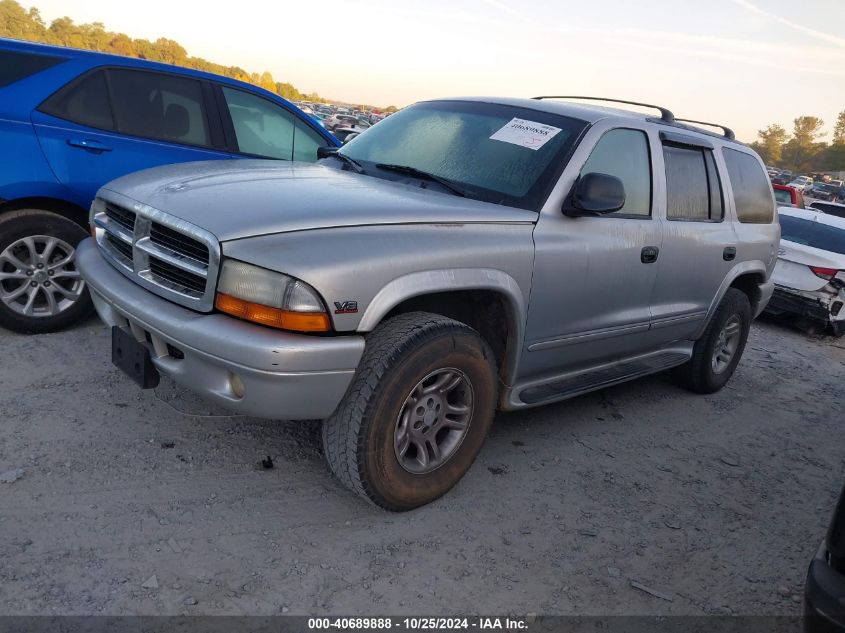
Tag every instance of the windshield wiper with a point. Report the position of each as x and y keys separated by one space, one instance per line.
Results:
x=354 y=164
x=424 y=175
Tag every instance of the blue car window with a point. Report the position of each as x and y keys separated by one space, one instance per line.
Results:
x=159 y=106
x=85 y=101
x=262 y=128
x=15 y=65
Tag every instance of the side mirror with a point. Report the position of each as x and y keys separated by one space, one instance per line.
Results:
x=595 y=194
x=326 y=151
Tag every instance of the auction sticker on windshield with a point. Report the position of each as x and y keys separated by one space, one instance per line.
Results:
x=525 y=133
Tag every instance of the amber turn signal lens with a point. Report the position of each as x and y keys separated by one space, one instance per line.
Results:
x=273 y=317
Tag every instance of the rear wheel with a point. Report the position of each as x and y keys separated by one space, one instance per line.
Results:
x=416 y=414
x=717 y=353
x=40 y=288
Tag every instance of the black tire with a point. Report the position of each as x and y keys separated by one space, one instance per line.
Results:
x=358 y=439
x=698 y=374
x=17 y=225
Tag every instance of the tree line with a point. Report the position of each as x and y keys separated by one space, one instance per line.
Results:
x=804 y=150
x=18 y=23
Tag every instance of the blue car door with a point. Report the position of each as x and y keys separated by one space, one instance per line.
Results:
x=113 y=121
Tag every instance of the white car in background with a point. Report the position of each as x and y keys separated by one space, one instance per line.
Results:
x=810 y=272
x=802 y=184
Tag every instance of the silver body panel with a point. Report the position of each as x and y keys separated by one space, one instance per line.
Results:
x=286 y=376
x=579 y=300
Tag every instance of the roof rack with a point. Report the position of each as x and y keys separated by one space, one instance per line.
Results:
x=665 y=114
x=729 y=133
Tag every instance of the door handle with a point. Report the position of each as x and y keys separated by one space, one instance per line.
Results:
x=649 y=254
x=729 y=254
x=85 y=143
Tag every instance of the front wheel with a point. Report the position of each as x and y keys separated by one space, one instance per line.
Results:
x=717 y=353
x=40 y=288
x=416 y=413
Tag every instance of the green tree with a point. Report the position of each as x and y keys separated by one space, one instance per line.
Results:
x=839 y=129
x=770 y=143
x=802 y=151
x=17 y=22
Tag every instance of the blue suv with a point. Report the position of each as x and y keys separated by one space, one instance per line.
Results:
x=72 y=120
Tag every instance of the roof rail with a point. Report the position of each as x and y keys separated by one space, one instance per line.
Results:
x=665 y=114
x=728 y=132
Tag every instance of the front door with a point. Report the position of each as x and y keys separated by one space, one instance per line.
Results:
x=593 y=276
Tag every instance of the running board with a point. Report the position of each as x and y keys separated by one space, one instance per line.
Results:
x=574 y=384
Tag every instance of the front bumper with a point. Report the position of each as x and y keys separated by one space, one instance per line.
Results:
x=824 y=597
x=284 y=375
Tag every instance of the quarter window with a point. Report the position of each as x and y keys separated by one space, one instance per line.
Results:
x=693 y=190
x=624 y=153
x=159 y=106
x=15 y=65
x=85 y=102
x=752 y=192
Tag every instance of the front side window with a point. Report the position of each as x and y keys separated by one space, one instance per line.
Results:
x=624 y=153
x=494 y=152
x=159 y=106
x=262 y=128
x=752 y=193
x=85 y=102
x=693 y=190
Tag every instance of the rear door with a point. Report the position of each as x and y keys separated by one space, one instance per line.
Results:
x=113 y=121
x=699 y=242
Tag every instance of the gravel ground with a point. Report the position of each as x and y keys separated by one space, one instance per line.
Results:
x=640 y=499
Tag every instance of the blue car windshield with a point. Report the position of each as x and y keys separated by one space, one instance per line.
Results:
x=493 y=152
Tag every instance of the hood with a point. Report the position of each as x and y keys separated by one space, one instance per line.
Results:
x=234 y=199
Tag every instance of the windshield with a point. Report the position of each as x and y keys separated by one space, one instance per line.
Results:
x=815 y=234
x=493 y=152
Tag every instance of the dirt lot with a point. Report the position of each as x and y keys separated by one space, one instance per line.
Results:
x=126 y=506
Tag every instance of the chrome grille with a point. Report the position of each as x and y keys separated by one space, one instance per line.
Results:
x=123 y=217
x=178 y=242
x=164 y=254
x=176 y=276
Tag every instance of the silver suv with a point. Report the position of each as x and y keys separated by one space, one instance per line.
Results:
x=459 y=257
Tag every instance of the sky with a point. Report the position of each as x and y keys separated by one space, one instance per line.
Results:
x=741 y=63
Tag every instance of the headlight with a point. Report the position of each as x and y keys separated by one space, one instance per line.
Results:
x=263 y=296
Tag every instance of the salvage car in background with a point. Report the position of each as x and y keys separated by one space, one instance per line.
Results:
x=824 y=191
x=71 y=120
x=788 y=196
x=810 y=272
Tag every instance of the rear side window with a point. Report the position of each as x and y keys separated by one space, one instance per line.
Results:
x=815 y=234
x=783 y=197
x=159 y=106
x=624 y=153
x=15 y=65
x=693 y=189
x=751 y=188
x=85 y=101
